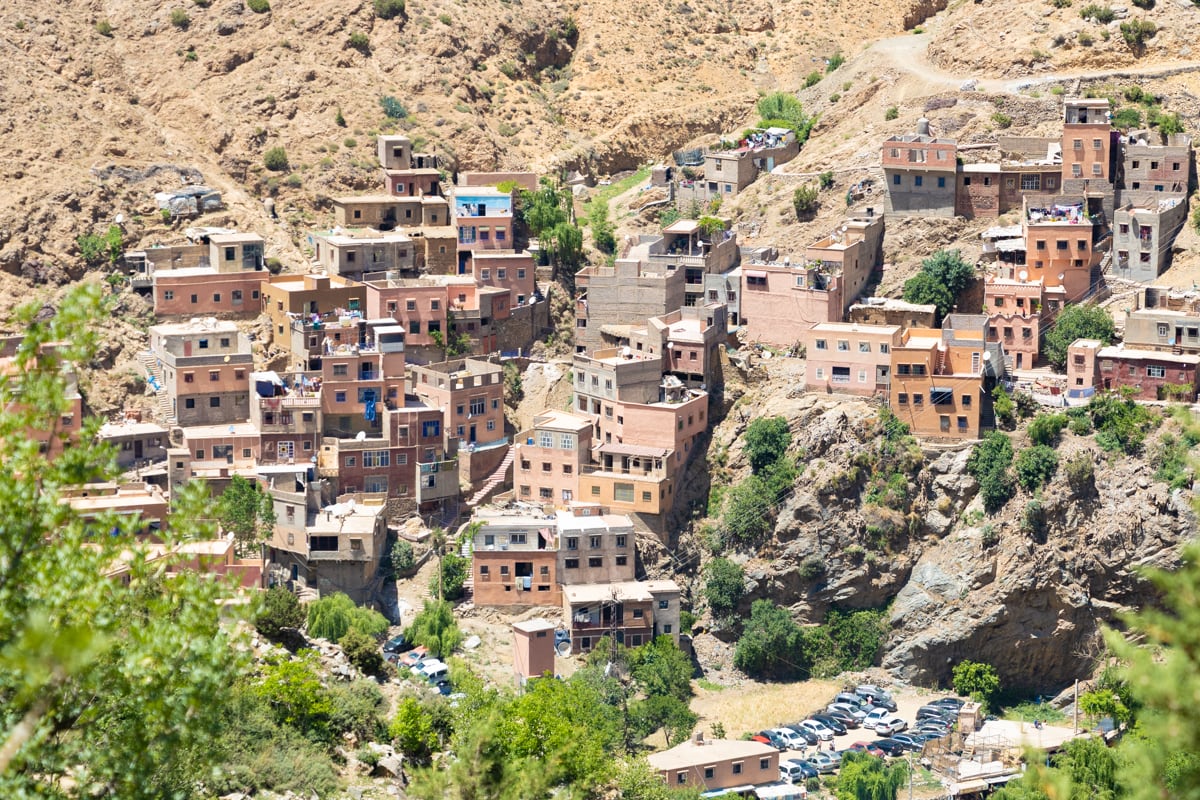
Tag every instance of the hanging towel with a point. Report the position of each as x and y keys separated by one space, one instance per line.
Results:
x=369 y=410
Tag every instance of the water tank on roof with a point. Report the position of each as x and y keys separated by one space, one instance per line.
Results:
x=923 y=127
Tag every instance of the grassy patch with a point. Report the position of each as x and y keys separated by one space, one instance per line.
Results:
x=1029 y=711
x=606 y=193
x=709 y=686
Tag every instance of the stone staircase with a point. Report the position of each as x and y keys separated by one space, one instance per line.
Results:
x=494 y=480
x=149 y=363
x=469 y=583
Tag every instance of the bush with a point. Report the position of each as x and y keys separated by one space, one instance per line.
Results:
x=1127 y=119
x=1045 y=428
x=280 y=609
x=435 y=627
x=1001 y=120
x=942 y=278
x=412 y=731
x=180 y=19
x=749 y=511
x=812 y=568
x=388 y=9
x=454 y=571
x=1035 y=465
x=687 y=620
x=1085 y=40
x=804 y=201
x=360 y=42
x=835 y=61
x=402 y=556
x=772 y=646
x=392 y=109
x=825 y=179
x=1170 y=462
x=892 y=113
x=1096 y=13
x=259 y=6
x=812 y=79
x=104 y=28
x=1061 y=3
x=1076 y=322
x=1081 y=425
x=338 y=119
x=767 y=440
x=1120 y=423
x=362 y=651
x=333 y=615
x=975 y=680
x=275 y=159
x=1167 y=124
x=1135 y=32
x=989 y=463
x=724 y=584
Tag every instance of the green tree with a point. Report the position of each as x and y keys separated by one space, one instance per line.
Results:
x=544 y=208
x=1035 y=465
x=772 y=646
x=1045 y=428
x=665 y=713
x=724 y=584
x=564 y=245
x=926 y=289
x=637 y=780
x=280 y=609
x=661 y=668
x=435 y=627
x=767 y=440
x=976 y=680
x=293 y=691
x=1104 y=703
x=358 y=708
x=114 y=672
x=451 y=576
x=402 y=556
x=412 y=731
x=388 y=9
x=989 y=463
x=749 y=511
x=247 y=512
x=864 y=777
x=805 y=201
x=942 y=279
x=362 y=651
x=1076 y=322
x=331 y=616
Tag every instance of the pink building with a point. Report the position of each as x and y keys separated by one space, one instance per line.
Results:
x=780 y=301
x=1017 y=310
x=849 y=357
x=505 y=270
x=550 y=457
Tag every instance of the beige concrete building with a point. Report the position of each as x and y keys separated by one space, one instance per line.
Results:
x=204 y=366
x=713 y=764
x=847 y=357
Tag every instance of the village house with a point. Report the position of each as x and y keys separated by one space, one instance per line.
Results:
x=919 y=173
x=216 y=557
x=632 y=612
x=1089 y=155
x=483 y=216
x=329 y=546
x=514 y=560
x=70 y=424
x=386 y=212
x=848 y=357
x=594 y=547
x=533 y=649
x=549 y=458
x=1144 y=231
x=726 y=172
x=352 y=252
x=890 y=311
x=287 y=413
x=687 y=340
x=1164 y=320
x=313 y=297
x=142 y=507
x=220 y=274
x=716 y=764
x=1018 y=310
x=942 y=380
x=470 y=394
x=1083 y=370
x=213 y=454
x=508 y=270
x=204 y=367
x=407 y=173
x=1148 y=374
x=136 y=443
x=527 y=181
x=1060 y=246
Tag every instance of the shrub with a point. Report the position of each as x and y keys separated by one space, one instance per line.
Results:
x=975 y=680
x=833 y=98
x=1135 y=32
x=1035 y=465
x=989 y=463
x=942 y=278
x=724 y=584
x=767 y=439
x=412 y=731
x=835 y=61
x=362 y=651
x=402 y=556
x=349 y=142
x=333 y=615
x=388 y=9
x=1127 y=118
x=445 y=19
x=1097 y=13
x=804 y=201
x=989 y=536
x=812 y=79
x=275 y=159
x=359 y=41
x=1033 y=517
x=166 y=216
x=295 y=181
x=280 y=609
x=104 y=28
x=392 y=108
x=1085 y=40
x=772 y=646
x=338 y=119
x=259 y=6
x=274 y=266
x=687 y=620
x=812 y=568
x=1170 y=462
x=1061 y=3
x=826 y=180
x=180 y=19
x=749 y=509
x=434 y=627
x=1120 y=422
x=1081 y=425
x=454 y=570
x=1001 y=120
x=892 y=113
x=1167 y=124
x=1045 y=428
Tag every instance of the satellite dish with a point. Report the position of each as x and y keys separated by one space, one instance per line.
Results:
x=350 y=504
x=1023 y=275
x=232 y=429
x=360 y=436
x=1062 y=275
x=564 y=648
x=226 y=359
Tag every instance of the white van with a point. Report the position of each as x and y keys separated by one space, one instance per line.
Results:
x=791 y=772
x=432 y=669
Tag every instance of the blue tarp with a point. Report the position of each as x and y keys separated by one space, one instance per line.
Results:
x=369 y=410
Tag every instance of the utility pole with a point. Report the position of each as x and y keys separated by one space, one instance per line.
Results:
x=1076 y=704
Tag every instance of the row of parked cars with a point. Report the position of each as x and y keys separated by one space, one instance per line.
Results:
x=865 y=708
x=418 y=661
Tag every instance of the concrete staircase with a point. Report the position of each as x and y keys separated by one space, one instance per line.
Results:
x=469 y=583
x=494 y=480
x=149 y=363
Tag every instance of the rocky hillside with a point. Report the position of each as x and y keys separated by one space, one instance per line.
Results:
x=876 y=520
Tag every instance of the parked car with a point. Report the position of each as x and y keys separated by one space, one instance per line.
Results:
x=914 y=742
x=758 y=737
x=791 y=738
x=874 y=717
x=826 y=762
x=858 y=701
x=804 y=733
x=795 y=770
x=938 y=722
x=774 y=739
x=890 y=746
x=845 y=717
x=442 y=686
x=876 y=696
x=857 y=712
x=889 y=725
x=932 y=730
x=823 y=733
x=863 y=747
x=937 y=712
x=413 y=657
x=833 y=723
x=950 y=702
x=397 y=644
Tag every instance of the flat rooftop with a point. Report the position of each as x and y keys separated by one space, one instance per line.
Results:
x=561 y=420
x=235 y=429
x=1132 y=354
x=1021 y=735
x=710 y=751
x=206 y=325
x=115 y=430
x=856 y=327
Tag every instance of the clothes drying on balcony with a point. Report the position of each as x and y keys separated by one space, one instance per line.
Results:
x=369 y=409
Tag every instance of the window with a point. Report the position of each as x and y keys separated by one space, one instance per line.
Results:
x=764 y=763
x=962 y=423
x=595 y=491
x=941 y=183
x=339 y=397
x=214 y=375
x=895 y=180
x=918 y=180
x=621 y=539
x=572 y=563
x=194 y=299
x=843 y=346
x=1076 y=170
x=517 y=538
x=821 y=344
x=902 y=399
x=944 y=423
x=376 y=458
x=864 y=347
x=639 y=613
x=189 y=402
x=1153 y=371
x=966 y=401
x=546 y=493
x=594 y=542
x=884 y=347
x=596 y=561
x=918 y=399
x=966 y=180
x=1031 y=183
x=168 y=295
x=214 y=402
x=737 y=768
x=340 y=370
x=646 y=497
x=681 y=778
x=1061 y=244
x=623 y=492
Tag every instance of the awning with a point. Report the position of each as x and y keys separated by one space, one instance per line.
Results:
x=1010 y=245
x=754 y=273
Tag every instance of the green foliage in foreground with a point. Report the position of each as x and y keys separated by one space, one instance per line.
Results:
x=335 y=614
